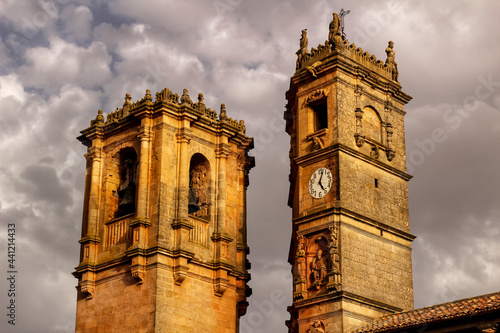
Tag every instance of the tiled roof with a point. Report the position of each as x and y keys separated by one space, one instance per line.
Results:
x=451 y=310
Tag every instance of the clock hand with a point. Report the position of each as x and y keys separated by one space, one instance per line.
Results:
x=320 y=182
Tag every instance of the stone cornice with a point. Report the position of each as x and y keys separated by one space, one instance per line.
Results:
x=329 y=151
x=335 y=207
x=356 y=69
x=90 y=238
x=347 y=296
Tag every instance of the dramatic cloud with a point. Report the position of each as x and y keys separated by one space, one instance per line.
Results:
x=61 y=62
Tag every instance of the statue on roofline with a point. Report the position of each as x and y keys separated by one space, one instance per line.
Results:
x=302 y=52
x=390 y=62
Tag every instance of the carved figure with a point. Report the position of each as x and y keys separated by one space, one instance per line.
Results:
x=300 y=261
x=223 y=113
x=316 y=143
x=318 y=269
x=335 y=28
x=312 y=69
x=374 y=153
x=333 y=251
x=198 y=189
x=390 y=62
x=335 y=35
x=185 y=97
x=99 y=119
x=302 y=52
x=317 y=327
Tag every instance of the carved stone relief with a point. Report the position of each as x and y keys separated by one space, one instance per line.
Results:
x=300 y=289
x=334 y=272
x=317 y=327
x=316 y=144
x=317 y=95
x=318 y=264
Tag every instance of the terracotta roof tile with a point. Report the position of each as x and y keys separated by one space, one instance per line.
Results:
x=450 y=310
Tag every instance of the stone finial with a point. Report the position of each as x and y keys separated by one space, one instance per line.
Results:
x=223 y=114
x=99 y=119
x=127 y=99
x=391 y=64
x=148 y=96
x=126 y=105
x=185 y=99
x=200 y=98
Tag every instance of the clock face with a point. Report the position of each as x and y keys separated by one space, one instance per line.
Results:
x=320 y=183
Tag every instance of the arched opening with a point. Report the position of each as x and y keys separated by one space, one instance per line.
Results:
x=199 y=182
x=126 y=190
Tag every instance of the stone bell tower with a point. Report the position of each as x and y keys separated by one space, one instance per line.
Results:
x=351 y=248
x=163 y=245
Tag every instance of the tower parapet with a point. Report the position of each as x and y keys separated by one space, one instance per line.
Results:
x=167 y=98
x=321 y=54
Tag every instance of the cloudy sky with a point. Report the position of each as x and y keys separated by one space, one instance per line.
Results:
x=63 y=60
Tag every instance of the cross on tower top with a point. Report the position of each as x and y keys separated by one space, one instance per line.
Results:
x=342 y=14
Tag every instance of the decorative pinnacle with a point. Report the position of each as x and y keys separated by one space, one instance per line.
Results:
x=185 y=99
x=223 y=114
x=99 y=119
x=127 y=99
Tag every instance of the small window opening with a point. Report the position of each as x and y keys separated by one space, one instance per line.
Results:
x=376 y=183
x=320 y=116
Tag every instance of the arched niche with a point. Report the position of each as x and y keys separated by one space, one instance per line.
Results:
x=123 y=170
x=372 y=124
x=318 y=261
x=199 y=186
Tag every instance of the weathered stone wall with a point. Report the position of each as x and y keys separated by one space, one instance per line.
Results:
x=116 y=303
x=376 y=265
x=373 y=192
x=192 y=306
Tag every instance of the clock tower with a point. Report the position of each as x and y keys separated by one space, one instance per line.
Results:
x=351 y=244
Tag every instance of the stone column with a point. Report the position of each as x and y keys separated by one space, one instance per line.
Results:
x=140 y=224
x=144 y=164
x=181 y=223
x=220 y=237
x=91 y=240
x=221 y=188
